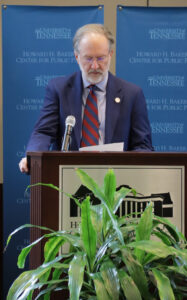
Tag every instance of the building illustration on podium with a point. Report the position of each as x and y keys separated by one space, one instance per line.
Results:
x=161 y=185
x=135 y=205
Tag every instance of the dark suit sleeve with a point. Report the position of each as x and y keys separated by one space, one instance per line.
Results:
x=140 y=131
x=47 y=129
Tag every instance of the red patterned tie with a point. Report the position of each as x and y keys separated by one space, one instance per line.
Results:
x=90 y=125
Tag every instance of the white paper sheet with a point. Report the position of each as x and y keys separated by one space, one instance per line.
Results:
x=106 y=147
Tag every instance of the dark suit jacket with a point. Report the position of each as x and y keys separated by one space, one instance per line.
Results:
x=126 y=121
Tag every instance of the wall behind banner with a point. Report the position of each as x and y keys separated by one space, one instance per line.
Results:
x=16 y=207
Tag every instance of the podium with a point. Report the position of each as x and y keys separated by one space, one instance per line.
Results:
x=44 y=168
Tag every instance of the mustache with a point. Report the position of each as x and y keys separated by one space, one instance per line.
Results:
x=95 y=71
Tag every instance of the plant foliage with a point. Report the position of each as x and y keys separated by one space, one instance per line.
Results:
x=109 y=257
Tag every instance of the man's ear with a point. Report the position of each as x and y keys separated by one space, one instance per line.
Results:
x=76 y=56
x=111 y=52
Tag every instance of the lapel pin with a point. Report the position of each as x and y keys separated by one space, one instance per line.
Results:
x=117 y=100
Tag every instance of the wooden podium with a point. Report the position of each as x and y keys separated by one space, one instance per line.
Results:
x=44 y=167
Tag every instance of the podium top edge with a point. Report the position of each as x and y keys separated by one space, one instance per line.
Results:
x=105 y=153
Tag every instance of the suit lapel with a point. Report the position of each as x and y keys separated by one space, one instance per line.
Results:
x=75 y=105
x=113 y=104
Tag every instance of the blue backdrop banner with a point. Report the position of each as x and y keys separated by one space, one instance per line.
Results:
x=152 y=52
x=37 y=46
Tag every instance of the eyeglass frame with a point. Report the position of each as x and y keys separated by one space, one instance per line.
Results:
x=99 y=59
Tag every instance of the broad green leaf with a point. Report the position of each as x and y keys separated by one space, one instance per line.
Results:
x=27 y=281
x=52 y=246
x=109 y=190
x=102 y=250
x=143 y=230
x=53 y=285
x=50 y=185
x=51 y=250
x=96 y=212
x=76 y=273
x=173 y=230
x=24 y=252
x=156 y=248
x=61 y=265
x=23 y=227
x=137 y=273
x=119 y=197
x=75 y=241
x=163 y=285
x=110 y=278
x=110 y=187
x=88 y=233
x=18 y=286
x=163 y=236
x=129 y=287
x=100 y=288
x=91 y=185
x=43 y=184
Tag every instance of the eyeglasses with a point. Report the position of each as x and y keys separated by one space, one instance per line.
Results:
x=99 y=59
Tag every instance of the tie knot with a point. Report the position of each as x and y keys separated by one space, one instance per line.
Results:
x=92 y=87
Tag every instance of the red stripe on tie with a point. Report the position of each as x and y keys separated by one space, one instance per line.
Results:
x=91 y=105
x=91 y=118
x=88 y=138
x=91 y=129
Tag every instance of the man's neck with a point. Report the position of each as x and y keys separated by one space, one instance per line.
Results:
x=101 y=85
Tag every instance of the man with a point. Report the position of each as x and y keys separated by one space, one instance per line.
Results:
x=122 y=113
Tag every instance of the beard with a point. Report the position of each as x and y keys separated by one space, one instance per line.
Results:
x=94 y=76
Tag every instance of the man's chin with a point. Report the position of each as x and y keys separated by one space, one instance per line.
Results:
x=95 y=77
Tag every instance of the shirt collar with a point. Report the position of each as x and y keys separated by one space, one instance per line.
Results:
x=101 y=85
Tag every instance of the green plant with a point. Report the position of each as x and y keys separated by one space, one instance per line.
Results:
x=109 y=258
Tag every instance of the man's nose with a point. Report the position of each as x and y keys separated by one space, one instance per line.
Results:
x=95 y=64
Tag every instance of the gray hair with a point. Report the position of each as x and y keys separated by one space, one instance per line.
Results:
x=92 y=28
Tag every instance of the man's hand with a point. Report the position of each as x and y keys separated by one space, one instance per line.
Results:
x=23 y=165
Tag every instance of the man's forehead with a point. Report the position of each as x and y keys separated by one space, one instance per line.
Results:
x=92 y=37
x=93 y=41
